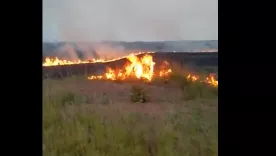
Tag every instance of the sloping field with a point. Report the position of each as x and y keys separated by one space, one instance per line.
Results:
x=169 y=116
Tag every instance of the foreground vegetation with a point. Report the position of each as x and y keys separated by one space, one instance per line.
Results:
x=171 y=117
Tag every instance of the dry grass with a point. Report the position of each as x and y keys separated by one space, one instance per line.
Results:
x=82 y=117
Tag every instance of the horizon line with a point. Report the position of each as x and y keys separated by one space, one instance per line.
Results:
x=132 y=41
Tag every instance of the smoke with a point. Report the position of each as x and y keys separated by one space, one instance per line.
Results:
x=110 y=52
x=67 y=52
x=129 y=20
x=88 y=51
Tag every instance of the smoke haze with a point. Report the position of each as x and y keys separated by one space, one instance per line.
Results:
x=129 y=20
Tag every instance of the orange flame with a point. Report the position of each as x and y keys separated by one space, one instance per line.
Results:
x=193 y=77
x=209 y=80
x=139 y=68
x=165 y=69
x=144 y=69
x=136 y=68
x=57 y=62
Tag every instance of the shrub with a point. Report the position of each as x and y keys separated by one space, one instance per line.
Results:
x=104 y=99
x=138 y=95
x=69 y=98
x=191 y=90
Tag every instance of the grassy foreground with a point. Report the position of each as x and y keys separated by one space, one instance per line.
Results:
x=98 y=118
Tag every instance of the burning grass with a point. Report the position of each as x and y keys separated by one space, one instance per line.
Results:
x=170 y=115
x=144 y=69
x=59 y=62
x=140 y=109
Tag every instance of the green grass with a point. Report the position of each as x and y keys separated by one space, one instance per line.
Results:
x=73 y=125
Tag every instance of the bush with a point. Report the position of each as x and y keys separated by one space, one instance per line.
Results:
x=67 y=98
x=104 y=99
x=178 y=78
x=138 y=95
x=196 y=89
x=191 y=90
x=210 y=91
x=160 y=81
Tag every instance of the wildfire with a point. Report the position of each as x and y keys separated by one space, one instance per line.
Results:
x=209 y=80
x=57 y=62
x=143 y=68
x=138 y=68
x=192 y=77
x=165 y=69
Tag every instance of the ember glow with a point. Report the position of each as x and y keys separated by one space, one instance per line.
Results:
x=192 y=77
x=58 y=62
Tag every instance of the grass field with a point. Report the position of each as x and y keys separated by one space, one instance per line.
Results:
x=104 y=118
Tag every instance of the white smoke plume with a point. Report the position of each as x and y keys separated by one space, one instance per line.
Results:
x=88 y=51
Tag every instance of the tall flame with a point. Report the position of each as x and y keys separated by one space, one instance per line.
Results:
x=139 y=68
